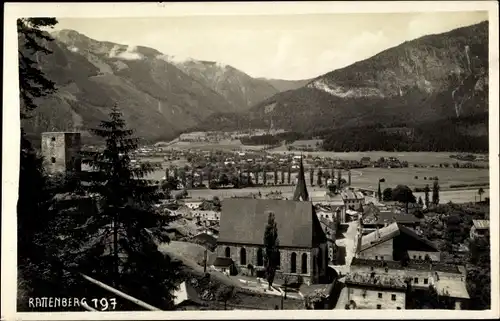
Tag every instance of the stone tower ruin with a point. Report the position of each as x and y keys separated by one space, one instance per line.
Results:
x=61 y=152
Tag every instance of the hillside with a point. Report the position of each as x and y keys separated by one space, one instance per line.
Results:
x=238 y=88
x=156 y=97
x=435 y=77
x=285 y=85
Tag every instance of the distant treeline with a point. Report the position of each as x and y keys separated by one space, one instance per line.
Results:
x=446 y=135
x=260 y=140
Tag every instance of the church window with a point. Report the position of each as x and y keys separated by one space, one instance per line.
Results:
x=243 y=256
x=304 y=263
x=293 y=263
x=260 y=258
x=228 y=252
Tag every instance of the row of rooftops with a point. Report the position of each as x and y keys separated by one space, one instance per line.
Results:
x=352 y=195
x=380 y=281
x=420 y=265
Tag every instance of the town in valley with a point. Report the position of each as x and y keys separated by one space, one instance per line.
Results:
x=146 y=187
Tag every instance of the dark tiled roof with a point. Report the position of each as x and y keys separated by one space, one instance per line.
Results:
x=223 y=261
x=243 y=221
x=380 y=281
x=412 y=265
x=301 y=193
x=389 y=232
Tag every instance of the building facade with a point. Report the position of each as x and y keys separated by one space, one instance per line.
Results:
x=302 y=242
x=395 y=243
x=61 y=152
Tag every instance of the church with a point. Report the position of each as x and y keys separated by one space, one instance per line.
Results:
x=302 y=241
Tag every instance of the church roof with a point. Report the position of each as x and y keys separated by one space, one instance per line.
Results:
x=300 y=193
x=243 y=221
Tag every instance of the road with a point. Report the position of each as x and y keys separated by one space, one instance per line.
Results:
x=349 y=242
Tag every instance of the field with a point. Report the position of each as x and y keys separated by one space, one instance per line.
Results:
x=411 y=157
x=222 y=145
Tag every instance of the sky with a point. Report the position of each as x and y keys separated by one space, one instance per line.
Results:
x=275 y=46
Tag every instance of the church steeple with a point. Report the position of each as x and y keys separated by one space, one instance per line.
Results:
x=300 y=193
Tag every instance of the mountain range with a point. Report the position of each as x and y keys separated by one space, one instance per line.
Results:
x=434 y=78
x=158 y=94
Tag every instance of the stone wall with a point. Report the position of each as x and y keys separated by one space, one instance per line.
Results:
x=370 y=298
x=381 y=251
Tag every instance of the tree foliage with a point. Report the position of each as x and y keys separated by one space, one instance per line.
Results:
x=403 y=194
x=127 y=218
x=435 y=192
x=33 y=83
x=271 y=246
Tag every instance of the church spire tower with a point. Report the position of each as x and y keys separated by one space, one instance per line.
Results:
x=300 y=193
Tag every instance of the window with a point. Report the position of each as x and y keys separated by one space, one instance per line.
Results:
x=243 y=256
x=414 y=257
x=327 y=216
x=293 y=263
x=393 y=297
x=380 y=295
x=376 y=257
x=53 y=160
x=415 y=280
x=53 y=139
x=371 y=268
x=420 y=257
x=228 y=252
x=426 y=281
x=382 y=257
x=399 y=308
x=379 y=306
x=260 y=258
x=304 y=263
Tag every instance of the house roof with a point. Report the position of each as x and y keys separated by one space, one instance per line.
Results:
x=186 y=293
x=223 y=262
x=452 y=288
x=389 y=232
x=387 y=217
x=481 y=224
x=420 y=265
x=300 y=193
x=243 y=221
x=351 y=195
x=380 y=281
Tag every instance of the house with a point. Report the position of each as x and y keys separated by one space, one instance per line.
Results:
x=375 y=291
x=225 y=265
x=187 y=298
x=374 y=219
x=448 y=279
x=303 y=250
x=395 y=242
x=365 y=161
x=479 y=228
x=352 y=199
x=205 y=239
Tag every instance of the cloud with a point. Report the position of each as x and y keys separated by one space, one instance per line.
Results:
x=130 y=53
